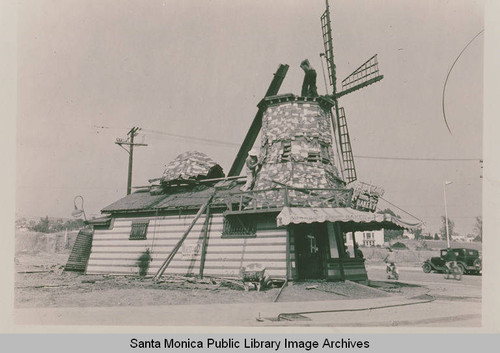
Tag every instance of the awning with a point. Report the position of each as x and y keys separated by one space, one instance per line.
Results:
x=353 y=220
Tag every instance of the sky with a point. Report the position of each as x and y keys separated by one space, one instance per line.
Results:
x=190 y=74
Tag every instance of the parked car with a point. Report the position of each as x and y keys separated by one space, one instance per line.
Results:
x=468 y=260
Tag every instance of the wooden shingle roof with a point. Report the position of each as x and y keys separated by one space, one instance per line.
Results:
x=181 y=197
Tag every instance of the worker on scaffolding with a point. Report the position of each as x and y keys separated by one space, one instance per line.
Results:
x=253 y=166
x=309 y=85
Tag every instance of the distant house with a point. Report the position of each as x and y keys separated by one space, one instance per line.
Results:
x=409 y=235
x=366 y=238
x=469 y=238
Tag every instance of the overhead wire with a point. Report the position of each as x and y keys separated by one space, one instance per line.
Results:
x=448 y=76
x=227 y=143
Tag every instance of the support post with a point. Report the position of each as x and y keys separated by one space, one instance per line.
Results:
x=205 y=240
x=165 y=264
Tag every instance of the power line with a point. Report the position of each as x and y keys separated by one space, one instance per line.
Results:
x=199 y=139
x=422 y=159
x=227 y=143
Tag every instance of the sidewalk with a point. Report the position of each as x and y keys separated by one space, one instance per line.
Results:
x=402 y=268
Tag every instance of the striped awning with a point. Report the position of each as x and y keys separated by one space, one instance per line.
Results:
x=357 y=220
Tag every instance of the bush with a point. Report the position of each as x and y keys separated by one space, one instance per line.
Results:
x=399 y=245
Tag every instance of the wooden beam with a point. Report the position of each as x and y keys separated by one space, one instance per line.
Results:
x=254 y=130
x=205 y=240
x=165 y=264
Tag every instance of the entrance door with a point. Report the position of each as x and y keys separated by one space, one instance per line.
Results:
x=310 y=250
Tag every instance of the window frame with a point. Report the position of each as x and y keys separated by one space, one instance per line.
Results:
x=239 y=226
x=143 y=225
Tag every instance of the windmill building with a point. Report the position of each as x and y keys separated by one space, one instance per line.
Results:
x=305 y=199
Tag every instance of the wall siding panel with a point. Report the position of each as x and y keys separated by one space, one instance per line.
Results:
x=113 y=253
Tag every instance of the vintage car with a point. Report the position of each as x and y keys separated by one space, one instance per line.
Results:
x=468 y=260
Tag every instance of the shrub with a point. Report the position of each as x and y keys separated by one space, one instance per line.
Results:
x=399 y=245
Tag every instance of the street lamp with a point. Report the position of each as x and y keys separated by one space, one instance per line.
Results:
x=77 y=212
x=446 y=214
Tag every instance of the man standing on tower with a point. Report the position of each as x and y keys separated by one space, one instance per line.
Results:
x=309 y=85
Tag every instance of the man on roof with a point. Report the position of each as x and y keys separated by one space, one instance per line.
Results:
x=253 y=166
x=309 y=85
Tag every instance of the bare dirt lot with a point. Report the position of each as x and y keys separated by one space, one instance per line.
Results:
x=40 y=281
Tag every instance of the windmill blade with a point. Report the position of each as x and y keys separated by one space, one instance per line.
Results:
x=363 y=76
x=254 y=130
x=326 y=28
x=345 y=148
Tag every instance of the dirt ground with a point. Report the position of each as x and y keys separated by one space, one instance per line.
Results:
x=40 y=281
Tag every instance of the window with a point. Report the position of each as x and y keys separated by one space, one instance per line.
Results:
x=239 y=226
x=325 y=153
x=287 y=150
x=139 y=230
x=313 y=157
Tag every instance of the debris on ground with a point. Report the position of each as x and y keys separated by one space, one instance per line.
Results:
x=39 y=283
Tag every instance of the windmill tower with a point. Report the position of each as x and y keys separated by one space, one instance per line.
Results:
x=298 y=138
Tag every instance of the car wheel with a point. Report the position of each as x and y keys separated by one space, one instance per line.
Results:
x=477 y=264
x=462 y=268
x=427 y=268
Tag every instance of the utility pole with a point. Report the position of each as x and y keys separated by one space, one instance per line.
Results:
x=129 y=141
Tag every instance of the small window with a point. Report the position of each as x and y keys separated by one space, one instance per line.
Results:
x=239 y=226
x=325 y=153
x=287 y=150
x=139 y=230
x=313 y=157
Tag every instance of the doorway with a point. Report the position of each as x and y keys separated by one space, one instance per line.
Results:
x=311 y=250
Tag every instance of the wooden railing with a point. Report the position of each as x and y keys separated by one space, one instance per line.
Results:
x=277 y=198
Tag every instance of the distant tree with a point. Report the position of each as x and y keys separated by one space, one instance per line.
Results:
x=436 y=236
x=478 y=229
x=417 y=233
x=42 y=226
x=451 y=228
x=390 y=234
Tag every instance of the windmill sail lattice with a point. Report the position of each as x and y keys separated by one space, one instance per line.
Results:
x=363 y=76
x=326 y=28
x=349 y=169
x=345 y=147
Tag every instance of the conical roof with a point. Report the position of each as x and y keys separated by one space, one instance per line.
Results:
x=191 y=165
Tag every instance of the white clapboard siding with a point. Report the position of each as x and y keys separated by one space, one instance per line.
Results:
x=210 y=272
x=210 y=256
x=114 y=253
x=235 y=264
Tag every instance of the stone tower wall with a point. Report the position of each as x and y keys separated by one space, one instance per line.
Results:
x=297 y=148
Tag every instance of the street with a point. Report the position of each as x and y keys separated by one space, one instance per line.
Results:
x=442 y=302
x=432 y=279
